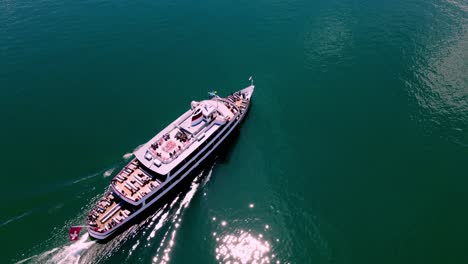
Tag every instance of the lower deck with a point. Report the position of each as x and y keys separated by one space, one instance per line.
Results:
x=133 y=183
x=108 y=212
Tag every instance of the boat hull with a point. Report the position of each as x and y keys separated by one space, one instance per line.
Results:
x=119 y=228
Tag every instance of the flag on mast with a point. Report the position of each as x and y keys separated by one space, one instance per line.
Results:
x=74 y=232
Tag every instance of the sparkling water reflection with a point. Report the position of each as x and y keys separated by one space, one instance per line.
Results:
x=438 y=79
x=243 y=247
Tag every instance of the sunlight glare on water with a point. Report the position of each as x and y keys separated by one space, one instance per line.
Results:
x=243 y=247
x=168 y=241
x=438 y=79
x=354 y=150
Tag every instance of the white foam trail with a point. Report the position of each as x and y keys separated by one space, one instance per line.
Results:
x=159 y=213
x=72 y=253
x=173 y=202
x=138 y=147
x=15 y=218
x=158 y=225
x=127 y=155
x=86 y=250
x=189 y=196
x=208 y=177
x=85 y=178
x=165 y=247
x=162 y=220
x=130 y=154
x=108 y=172
x=43 y=255
x=134 y=247
x=153 y=218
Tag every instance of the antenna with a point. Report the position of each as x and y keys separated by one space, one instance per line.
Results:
x=251 y=80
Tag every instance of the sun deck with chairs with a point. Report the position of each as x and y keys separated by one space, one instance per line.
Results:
x=132 y=183
x=107 y=213
x=174 y=143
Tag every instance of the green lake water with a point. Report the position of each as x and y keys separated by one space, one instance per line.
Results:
x=355 y=149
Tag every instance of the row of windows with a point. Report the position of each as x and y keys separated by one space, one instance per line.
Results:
x=152 y=174
x=199 y=152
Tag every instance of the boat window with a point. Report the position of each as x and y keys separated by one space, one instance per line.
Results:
x=152 y=174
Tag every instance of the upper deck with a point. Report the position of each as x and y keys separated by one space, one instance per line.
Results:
x=156 y=159
x=174 y=143
x=132 y=183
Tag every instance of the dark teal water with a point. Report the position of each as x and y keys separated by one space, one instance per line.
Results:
x=354 y=151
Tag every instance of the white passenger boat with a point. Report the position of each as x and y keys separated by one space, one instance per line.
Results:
x=166 y=159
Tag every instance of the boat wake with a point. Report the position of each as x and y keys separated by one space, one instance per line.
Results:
x=168 y=241
x=84 y=178
x=108 y=172
x=15 y=218
x=159 y=230
x=173 y=214
x=128 y=155
x=70 y=253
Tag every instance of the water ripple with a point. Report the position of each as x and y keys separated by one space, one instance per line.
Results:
x=438 y=80
x=243 y=247
x=325 y=43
